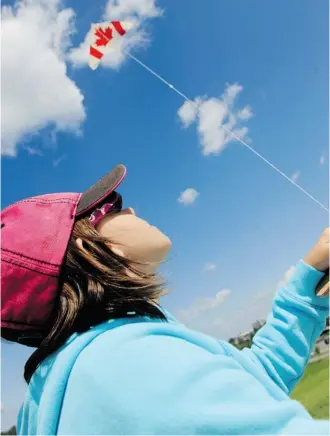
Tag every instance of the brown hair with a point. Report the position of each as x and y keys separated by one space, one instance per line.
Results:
x=95 y=285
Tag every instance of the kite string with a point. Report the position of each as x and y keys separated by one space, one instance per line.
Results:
x=229 y=132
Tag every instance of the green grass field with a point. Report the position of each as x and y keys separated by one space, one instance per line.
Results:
x=313 y=390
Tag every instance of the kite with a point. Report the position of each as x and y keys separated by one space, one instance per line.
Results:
x=104 y=36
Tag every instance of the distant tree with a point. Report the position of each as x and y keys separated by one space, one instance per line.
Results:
x=12 y=430
x=245 y=341
x=257 y=325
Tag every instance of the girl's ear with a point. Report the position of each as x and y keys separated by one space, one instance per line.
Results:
x=80 y=244
x=115 y=249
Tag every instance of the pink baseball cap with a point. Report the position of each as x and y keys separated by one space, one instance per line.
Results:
x=35 y=234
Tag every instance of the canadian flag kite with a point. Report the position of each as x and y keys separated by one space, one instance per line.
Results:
x=104 y=34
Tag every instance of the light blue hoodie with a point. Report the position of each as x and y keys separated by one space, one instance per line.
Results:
x=140 y=376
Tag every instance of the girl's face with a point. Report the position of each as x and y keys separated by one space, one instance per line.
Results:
x=136 y=240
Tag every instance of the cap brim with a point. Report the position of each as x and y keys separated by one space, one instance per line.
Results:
x=101 y=190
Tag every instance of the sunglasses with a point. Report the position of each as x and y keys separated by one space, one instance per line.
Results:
x=115 y=204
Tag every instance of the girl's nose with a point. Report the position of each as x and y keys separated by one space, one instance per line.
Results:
x=128 y=211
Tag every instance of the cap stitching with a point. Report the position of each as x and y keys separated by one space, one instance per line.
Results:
x=23 y=324
x=31 y=258
x=39 y=200
x=27 y=262
x=46 y=200
x=29 y=269
x=36 y=267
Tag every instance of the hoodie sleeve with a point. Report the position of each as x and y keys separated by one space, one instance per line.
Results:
x=284 y=345
x=161 y=383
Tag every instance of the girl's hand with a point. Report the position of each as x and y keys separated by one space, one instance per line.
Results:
x=318 y=257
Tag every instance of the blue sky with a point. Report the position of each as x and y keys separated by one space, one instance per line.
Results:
x=250 y=223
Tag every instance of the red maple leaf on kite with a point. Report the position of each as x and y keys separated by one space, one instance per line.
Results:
x=104 y=36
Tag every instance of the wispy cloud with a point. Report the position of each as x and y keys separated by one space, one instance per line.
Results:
x=137 y=12
x=295 y=176
x=202 y=305
x=57 y=161
x=188 y=196
x=322 y=160
x=240 y=311
x=32 y=151
x=28 y=72
x=216 y=118
x=209 y=267
x=287 y=275
x=238 y=314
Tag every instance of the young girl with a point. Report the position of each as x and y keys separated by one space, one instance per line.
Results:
x=79 y=282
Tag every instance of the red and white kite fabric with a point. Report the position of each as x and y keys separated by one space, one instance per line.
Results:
x=104 y=34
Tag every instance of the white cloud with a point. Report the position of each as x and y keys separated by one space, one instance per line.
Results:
x=231 y=92
x=322 y=160
x=245 y=114
x=188 y=112
x=202 y=305
x=216 y=119
x=209 y=267
x=188 y=196
x=120 y=9
x=295 y=176
x=36 y=91
x=135 y=11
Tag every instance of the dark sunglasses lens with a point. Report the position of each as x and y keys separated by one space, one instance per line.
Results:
x=118 y=202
